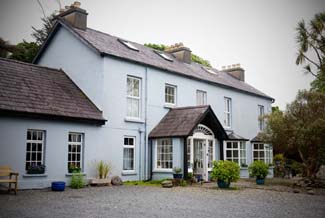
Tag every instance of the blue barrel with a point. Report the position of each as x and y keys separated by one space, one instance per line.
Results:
x=58 y=186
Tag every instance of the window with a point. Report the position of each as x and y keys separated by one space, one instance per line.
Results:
x=201 y=97
x=75 y=147
x=260 y=117
x=133 y=97
x=128 y=44
x=209 y=70
x=236 y=152
x=35 y=148
x=163 y=55
x=227 y=120
x=164 y=154
x=263 y=152
x=210 y=154
x=170 y=94
x=129 y=154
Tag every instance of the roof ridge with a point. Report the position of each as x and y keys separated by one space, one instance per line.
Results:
x=191 y=107
x=29 y=64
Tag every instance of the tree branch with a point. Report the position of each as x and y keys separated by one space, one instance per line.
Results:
x=311 y=61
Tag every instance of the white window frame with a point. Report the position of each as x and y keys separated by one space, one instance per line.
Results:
x=156 y=156
x=36 y=141
x=203 y=94
x=227 y=111
x=267 y=150
x=238 y=149
x=134 y=150
x=76 y=143
x=175 y=94
x=131 y=97
x=261 y=121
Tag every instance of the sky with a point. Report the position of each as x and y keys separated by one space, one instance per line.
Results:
x=258 y=34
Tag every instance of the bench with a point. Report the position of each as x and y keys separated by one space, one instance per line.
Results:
x=10 y=177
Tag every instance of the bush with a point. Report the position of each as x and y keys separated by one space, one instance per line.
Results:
x=103 y=169
x=77 y=181
x=225 y=171
x=258 y=169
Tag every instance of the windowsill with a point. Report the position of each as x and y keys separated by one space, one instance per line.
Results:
x=34 y=175
x=133 y=120
x=163 y=171
x=166 y=105
x=70 y=174
x=129 y=173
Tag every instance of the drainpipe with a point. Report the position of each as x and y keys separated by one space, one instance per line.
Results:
x=140 y=132
x=146 y=166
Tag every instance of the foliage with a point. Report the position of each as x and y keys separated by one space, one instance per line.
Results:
x=77 y=181
x=195 y=58
x=227 y=171
x=145 y=183
x=25 y=51
x=103 y=169
x=6 y=48
x=311 y=49
x=182 y=183
x=301 y=127
x=74 y=169
x=258 y=169
x=177 y=170
x=40 y=35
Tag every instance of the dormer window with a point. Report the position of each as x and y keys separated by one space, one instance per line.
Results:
x=128 y=44
x=163 y=55
x=209 y=70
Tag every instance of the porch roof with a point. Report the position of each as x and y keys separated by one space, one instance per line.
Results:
x=233 y=136
x=181 y=122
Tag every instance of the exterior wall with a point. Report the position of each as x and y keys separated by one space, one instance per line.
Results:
x=82 y=64
x=104 y=81
x=13 y=132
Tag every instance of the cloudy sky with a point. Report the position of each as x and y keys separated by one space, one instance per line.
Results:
x=258 y=34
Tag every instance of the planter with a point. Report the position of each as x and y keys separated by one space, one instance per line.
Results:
x=58 y=186
x=178 y=176
x=260 y=181
x=100 y=182
x=223 y=184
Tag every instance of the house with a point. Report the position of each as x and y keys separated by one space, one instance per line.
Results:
x=145 y=111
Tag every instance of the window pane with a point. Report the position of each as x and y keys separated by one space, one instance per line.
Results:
x=235 y=153
x=228 y=154
x=235 y=145
x=29 y=135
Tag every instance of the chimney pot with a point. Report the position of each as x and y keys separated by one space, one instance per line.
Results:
x=74 y=15
x=235 y=70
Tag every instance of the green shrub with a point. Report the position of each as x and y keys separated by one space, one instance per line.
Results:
x=77 y=181
x=103 y=169
x=225 y=171
x=258 y=169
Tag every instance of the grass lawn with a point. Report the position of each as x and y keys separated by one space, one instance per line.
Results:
x=156 y=183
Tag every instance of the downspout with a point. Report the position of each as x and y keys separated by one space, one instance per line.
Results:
x=146 y=166
x=140 y=131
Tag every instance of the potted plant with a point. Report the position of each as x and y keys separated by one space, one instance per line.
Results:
x=103 y=170
x=36 y=169
x=74 y=168
x=177 y=173
x=225 y=172
x=260 y=170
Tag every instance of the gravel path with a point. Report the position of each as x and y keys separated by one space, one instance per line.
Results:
x=139 y=201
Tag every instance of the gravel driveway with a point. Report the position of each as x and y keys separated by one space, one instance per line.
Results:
x=139 y=201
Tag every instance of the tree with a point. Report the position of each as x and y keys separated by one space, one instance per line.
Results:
x=25 y=51
x=301 y=128
x=311 y=49
x=195 y=58
x=40 y=35
x=6 y=48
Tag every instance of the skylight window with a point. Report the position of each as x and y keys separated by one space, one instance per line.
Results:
x=128 y=44
x=163 y=55
x=209 y=70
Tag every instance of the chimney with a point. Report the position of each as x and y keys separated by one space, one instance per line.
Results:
x=74 y=15
x=235 y=70
x=180 y=52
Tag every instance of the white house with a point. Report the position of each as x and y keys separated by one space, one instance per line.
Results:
x=151 y=111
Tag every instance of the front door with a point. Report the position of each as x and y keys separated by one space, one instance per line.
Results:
x=200 y=158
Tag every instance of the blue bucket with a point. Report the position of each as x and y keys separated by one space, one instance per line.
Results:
x=260 y=181
x=58 y=186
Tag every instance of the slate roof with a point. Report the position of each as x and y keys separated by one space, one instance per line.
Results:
x=27 y=89
x=257 y=138
x=233 y=136
x=106 y=44
x=181 y=121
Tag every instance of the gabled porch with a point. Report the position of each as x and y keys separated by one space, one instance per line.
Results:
x=189 y=138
